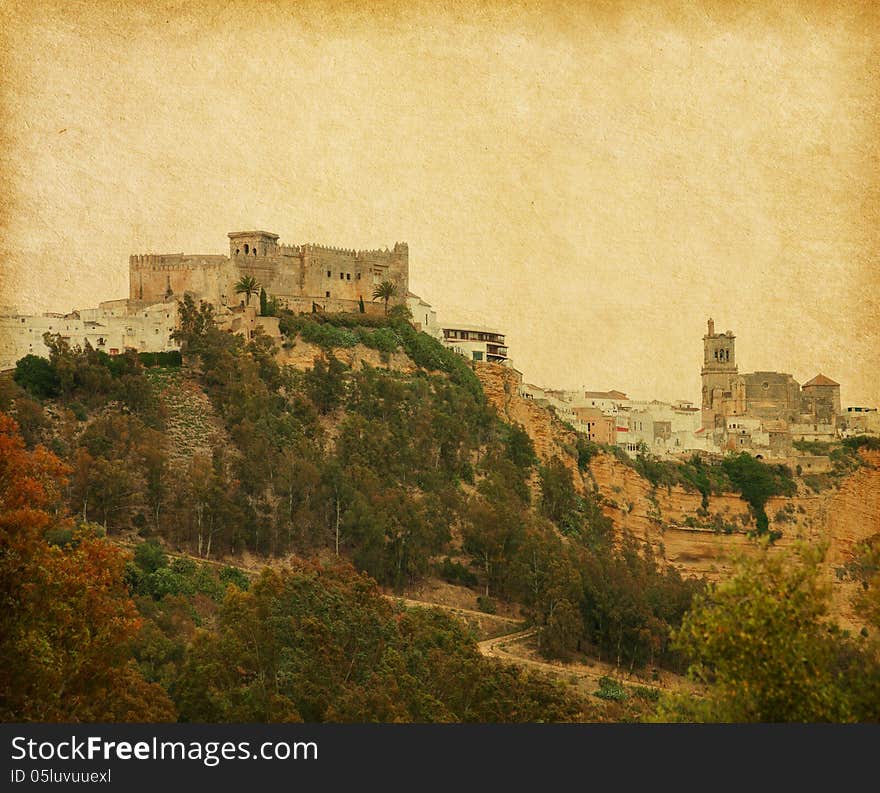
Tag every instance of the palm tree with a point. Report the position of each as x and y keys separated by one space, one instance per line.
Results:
x=385 y=291
x=247 y=285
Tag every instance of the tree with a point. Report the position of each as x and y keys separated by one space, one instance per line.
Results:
x=38 y=376
x=325 y=383
x=247 y=285
x=385 y=291
x=264 y=302
x=67 y=619
x=763 y=644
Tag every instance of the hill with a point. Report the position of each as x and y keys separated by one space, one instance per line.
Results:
x=365 y=441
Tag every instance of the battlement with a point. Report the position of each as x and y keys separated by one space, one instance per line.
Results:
x=310 y=270
x=399 y=248
x=174 y=261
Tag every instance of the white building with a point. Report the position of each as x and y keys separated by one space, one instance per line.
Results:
x=477 y=343
x=861 y=421
x=660 y=428
x=113 y=327
x=424 y=316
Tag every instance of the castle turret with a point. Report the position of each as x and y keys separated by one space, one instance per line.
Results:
x=252 y=243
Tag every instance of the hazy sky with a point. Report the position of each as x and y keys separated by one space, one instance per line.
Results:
x=595 y=182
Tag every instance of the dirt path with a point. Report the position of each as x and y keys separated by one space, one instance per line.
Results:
x=508 y=646
x=503 y=647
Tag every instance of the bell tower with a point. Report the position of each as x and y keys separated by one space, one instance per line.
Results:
x=719 y=375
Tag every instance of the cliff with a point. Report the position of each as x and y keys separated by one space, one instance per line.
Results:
x=673 y=519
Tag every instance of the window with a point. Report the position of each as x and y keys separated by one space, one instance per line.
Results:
x=329 y=274
x=358 y=276
x=478 y=356
x=246 y=249
x=348 y=276
x=341 y=276
x=326 y=294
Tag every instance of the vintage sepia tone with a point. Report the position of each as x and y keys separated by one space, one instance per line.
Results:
x=637 y=168
x=541 y=334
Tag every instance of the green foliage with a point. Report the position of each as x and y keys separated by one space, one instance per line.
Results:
x=385 y=292
x=88 y=377
x=631 y=603
x=167 y=358
x=559 y=502
x=869 y=442
x=612 y=689
x=321 y=644
x=818 y=448
x=248 y=286
x=150 y=556
x=486 y=604
x=195 y=323
x=326 y=335
x=520 y=448
x=456 y=573
x=756 y=481
x=763 y=644
x=586 y=451
x=37 y=376
x=325 y=384
x=60 y=537
x=562 y=634
x=232 y=576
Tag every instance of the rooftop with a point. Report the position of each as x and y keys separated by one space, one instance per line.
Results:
x=820 y=379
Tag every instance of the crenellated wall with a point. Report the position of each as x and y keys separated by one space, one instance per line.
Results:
x=311 y=271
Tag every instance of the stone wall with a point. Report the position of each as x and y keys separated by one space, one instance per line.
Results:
x=304 y=271
x=112 y=328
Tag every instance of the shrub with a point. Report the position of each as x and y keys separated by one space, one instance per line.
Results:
x=609 y=688
x=456 y=573
x=38 y=376
x=164 y=581
x=232 y=576
x=149 y=556
x=486 y=604
x=169 y=358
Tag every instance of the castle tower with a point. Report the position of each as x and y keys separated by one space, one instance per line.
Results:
x=252 y=243
x=719 y=375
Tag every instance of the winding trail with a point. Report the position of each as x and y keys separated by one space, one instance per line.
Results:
x=502 y=647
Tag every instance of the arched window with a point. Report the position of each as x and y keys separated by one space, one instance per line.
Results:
x=246 y=249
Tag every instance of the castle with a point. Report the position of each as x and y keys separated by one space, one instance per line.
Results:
x=305 y=277
x=762 y=408
x=335 y=279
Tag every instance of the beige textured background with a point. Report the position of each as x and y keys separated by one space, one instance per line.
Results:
x=595 y=179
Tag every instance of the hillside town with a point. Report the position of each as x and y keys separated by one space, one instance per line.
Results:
x=764 y=413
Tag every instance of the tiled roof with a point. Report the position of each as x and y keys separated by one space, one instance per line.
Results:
x=820 y=379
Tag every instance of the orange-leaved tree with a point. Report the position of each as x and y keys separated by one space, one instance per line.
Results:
x=66 y=618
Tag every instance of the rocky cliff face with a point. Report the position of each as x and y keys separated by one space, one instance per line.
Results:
x=697 y=540
x=303 y=354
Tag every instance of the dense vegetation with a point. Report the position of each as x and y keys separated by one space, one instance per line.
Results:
x=400 y=475
x=203 y=644
x=766 y=649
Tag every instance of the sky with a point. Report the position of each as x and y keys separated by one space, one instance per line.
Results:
x=594 y=179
